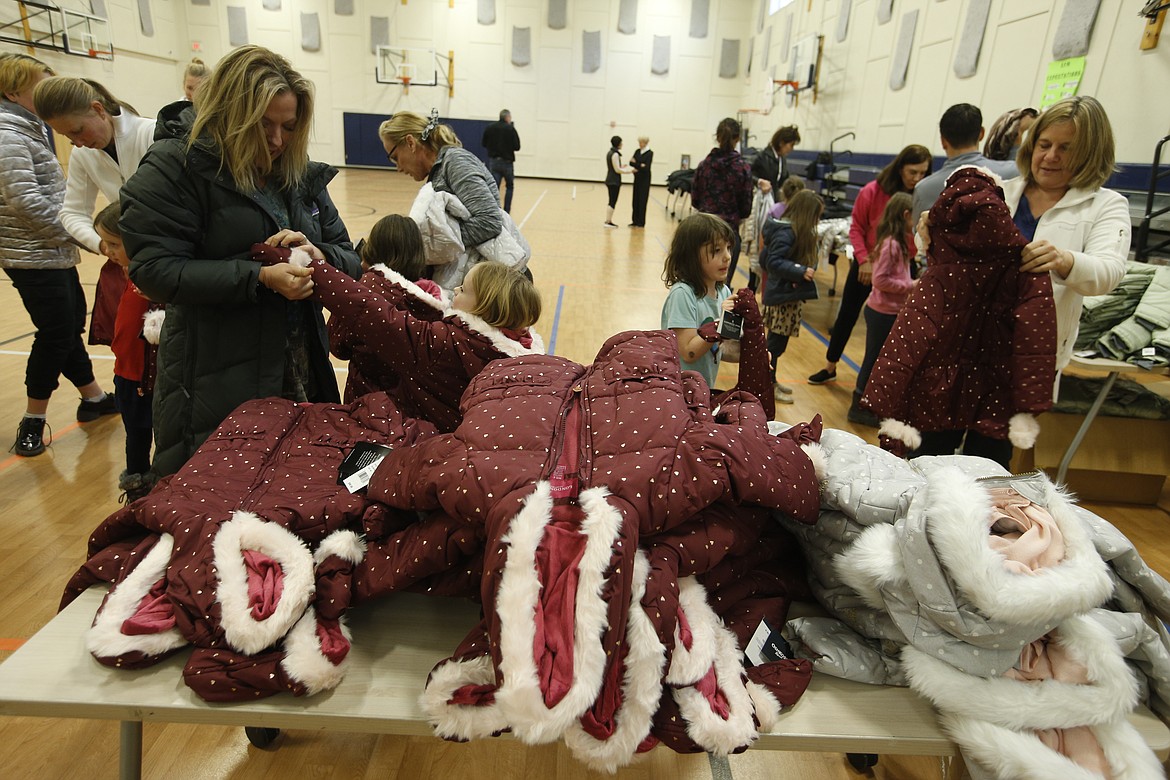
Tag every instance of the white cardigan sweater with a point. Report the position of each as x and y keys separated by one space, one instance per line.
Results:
x=1095 y=227
x=91 y=170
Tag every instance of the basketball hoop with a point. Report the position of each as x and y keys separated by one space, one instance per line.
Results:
x=405 y=75
x=792 y=85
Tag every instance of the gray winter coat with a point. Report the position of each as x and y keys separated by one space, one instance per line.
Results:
x=32 y=189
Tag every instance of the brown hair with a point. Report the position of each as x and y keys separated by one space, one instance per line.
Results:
x=727 y=134
x=1005 y=132
x=785 y=135
x=18 y=70
x=68 y=95
x=405 y=123
x=231 y=106
x=396 y=241
x=893 y=222
x=1092 y=153
x=504 y=297
x=107 y=219
x=791 y=186
x=890 y=177
x=803 y=213
x=683 y=260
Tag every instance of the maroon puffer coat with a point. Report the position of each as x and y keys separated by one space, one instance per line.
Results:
x=433 y=360
x=975 y=343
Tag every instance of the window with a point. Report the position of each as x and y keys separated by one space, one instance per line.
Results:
x=776 y=5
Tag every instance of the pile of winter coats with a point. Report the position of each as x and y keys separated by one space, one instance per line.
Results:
x=1030 y=623
x=619 y=533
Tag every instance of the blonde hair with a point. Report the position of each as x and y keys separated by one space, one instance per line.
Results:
x=231 y=106
x=197 y=68
x=405 y=123
x=1092 y=154
x=68 y=96
x=17 y=71
x=504 y=297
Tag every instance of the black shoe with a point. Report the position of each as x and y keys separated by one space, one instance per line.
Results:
x=88 y=411
x=30 y=437
x=822 y=376
x=865 y=417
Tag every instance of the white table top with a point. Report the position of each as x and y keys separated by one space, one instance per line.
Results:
x=396 y=643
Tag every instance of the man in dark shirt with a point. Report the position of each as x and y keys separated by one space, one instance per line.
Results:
x=502 y=142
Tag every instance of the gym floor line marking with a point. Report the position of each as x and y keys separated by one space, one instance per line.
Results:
x=11 y=644
x=825 y=341
x=529 y=214
x=552 y=339
x=11 y=460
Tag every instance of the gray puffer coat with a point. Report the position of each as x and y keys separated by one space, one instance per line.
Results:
x=32 y=189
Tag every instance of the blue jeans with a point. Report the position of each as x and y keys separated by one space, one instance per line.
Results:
x=502 y=169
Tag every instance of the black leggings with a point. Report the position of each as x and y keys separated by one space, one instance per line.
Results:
x=776 y=346
x=947 y=442
x=55 y=301
x=852 y=299
x=614 y=191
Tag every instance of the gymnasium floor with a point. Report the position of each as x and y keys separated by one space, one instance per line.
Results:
x=595 y=282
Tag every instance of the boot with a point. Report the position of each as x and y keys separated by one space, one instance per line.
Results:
x=30 y=437
x=859 y=416
x=134 y=486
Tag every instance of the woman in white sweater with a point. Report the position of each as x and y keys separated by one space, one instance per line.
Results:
x=111 y=139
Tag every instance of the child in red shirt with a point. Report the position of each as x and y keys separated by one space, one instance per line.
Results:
x=135 y=344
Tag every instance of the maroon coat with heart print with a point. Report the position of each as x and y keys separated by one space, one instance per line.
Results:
x=976 y=341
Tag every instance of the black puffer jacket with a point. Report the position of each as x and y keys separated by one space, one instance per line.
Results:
x=189 y=230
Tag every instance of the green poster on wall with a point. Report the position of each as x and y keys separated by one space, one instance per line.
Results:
x=1063 y=79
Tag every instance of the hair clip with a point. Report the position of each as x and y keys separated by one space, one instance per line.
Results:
x=432 y=123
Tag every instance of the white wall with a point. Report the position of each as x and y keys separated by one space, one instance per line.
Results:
x=564 y=115
x=1134 y=86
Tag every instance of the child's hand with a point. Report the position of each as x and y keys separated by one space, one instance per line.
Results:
x=922 y=232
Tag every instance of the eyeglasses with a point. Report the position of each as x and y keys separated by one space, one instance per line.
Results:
x=390 y=154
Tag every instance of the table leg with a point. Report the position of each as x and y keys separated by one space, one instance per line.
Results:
x=130 y=756
x=1075 y=444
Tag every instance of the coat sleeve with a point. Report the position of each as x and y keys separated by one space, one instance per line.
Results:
x=863 y=217
x=891 y=272
x=485 y=222
x=20 y=188
x=1033 y=363
x=335 y=244
x=163 y=217
x=779 y=253
x=1099 y=264
x=77 y=212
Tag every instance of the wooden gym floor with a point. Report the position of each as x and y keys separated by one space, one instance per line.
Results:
x=595 y=282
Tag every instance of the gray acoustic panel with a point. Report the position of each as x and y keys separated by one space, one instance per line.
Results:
x=98 y=8
x=145 y=18
x=751 y=54
x=843 y=19
x=785 y=40
x=310 y=32
x=763 y=15
x=700 y=13
x=200 y=2
x=343 y=7
x=486 y=13
x=767 y=46
x=521 y=46
x=971 y=38
x=237 y=18
x=901 y=60
x=271 y=5
x=558 y=14
x=1075 y=29
x=628 y=17
x=885 y=11
x=379 y=32
x=729 y=59
x=590 y=51
x=660 y=56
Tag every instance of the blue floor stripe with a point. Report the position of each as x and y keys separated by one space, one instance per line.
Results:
x=819 y=337
x=552 y=339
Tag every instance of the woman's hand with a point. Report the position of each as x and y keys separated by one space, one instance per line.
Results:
x=765 y=185
x=810 y=272
x=1041 y=256
x=291 y=281
x=293 y=238
x=923 y=232
x=865 y=273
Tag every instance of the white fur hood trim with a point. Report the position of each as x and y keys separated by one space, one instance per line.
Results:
x=152 y=325
x=816 y=454
x=346 y=545
x=105 y=638
x=641 y=688
x=1023 y=430
x=438 y=304
x=508 y=346
x=957 y=511
x=520 y=697
x=871 y=563
x=460 y=721
x=246 y=531
x=1110 y=694
x=688 y=666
